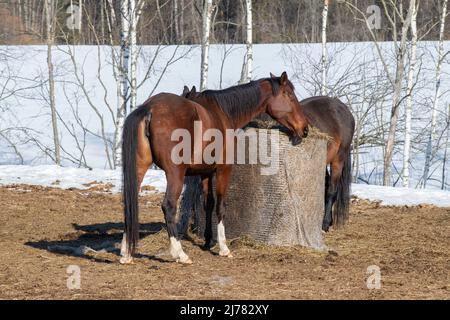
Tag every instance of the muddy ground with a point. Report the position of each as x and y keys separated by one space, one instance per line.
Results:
x=43 y=231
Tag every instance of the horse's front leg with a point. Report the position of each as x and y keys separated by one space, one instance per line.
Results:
x=175 y=178
x=222 y=181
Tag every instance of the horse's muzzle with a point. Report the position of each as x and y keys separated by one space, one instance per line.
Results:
x=296 y=140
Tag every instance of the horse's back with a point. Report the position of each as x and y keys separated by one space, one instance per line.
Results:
x=170 y=103
x=329 y=115
x=333 y=117
x=174 y=110
x=173 y=118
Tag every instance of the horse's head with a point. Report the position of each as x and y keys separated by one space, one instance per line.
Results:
x=284 y=107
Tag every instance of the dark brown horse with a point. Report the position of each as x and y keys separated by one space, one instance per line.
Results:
x=148 y=137
x=334 y=118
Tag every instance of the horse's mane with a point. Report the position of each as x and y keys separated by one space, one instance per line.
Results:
x=242 y=99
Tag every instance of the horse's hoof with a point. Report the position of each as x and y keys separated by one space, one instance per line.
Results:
x=186 y=260
x=126 y=260
x=226 y=253
x=206 y=247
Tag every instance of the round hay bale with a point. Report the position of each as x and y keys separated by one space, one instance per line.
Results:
x=285 y=208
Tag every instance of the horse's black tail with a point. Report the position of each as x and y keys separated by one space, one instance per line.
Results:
x=130 y=184
x=342 y=204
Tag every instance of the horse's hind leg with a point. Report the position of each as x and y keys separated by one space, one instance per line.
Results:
x=207 y=209
x=331 y=192
x=327 y=184
x=223 y=177
x=175 y=180
x=327 y=217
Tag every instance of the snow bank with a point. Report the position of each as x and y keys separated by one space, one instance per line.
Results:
x=390 y=196
x=67 y=177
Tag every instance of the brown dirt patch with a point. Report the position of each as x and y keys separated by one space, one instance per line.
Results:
x=410 y=245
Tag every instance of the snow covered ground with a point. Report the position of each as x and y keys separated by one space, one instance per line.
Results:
x=391 y=196
x=25 y=117
x=67 y=177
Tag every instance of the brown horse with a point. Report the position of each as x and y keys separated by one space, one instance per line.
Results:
x=148 y=137
x=334 y=118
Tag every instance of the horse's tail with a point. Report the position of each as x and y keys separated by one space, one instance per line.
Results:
x=130 y=183
x=342 y=204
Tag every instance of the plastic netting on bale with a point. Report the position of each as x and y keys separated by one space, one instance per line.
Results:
x=283 y=208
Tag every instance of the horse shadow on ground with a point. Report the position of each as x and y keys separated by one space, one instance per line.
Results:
x=86 y=241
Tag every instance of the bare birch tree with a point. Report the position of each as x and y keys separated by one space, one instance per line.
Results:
x=80 y=16
x=323 y=88
x=400 y=49
x=135 y=14
x=206 y=30
x=50 y=13
x=130 y=12
x=133 y=52
x=437 y=93
x=246 y=74
x=409 y=97
x=123 y=84
x=446 y=144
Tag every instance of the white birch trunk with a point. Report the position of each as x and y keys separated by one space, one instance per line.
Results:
x=51 y=80
x=437 y=93
x=123 y=74
x=401 y=52
x=444 y=160
x=175 y=20
x=206 y=28
x=112 y=12
x=125 y=49
x=323 y=89
x=120 y=113
x=26 y=17
x=80 y=17
x=182 y=21
x=247 y=67
x=409 y=99
x=133 y=53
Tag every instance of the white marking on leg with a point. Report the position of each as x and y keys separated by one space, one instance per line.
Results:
x=126 y=256
x=177 y=251
x=224 y=251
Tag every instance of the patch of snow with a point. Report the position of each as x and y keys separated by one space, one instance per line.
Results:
x=80 y=178
x=393 y=196
x=69 y=177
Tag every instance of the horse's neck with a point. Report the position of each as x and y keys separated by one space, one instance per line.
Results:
x=243 y=120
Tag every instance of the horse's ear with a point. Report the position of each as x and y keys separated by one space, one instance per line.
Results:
x=185 y=91
x=272 y=75
x=193 y=90
x=284 y=79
